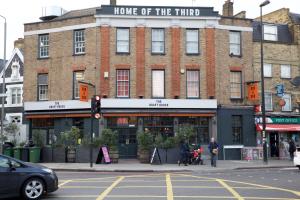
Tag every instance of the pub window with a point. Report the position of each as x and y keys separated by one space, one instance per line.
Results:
x=158 y=40
x=235 y=85
x=122 y=40
x=123 y=83
x=235 y=43
x=192 y=81
x=192 y=41
x=44 y=46
x=42 y=87
x=285 y=71
x=267 y=70
x=79 y=42
x=237 y=131
x=288 y=102
x=270 y=32
x=158 y=83
x=77 y=76
x=268 y=101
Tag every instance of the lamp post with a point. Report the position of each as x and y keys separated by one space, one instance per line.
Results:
x=3 y=83
x=263 y=109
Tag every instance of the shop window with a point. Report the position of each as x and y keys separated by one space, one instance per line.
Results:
x=158 y=83
x=235 y=43
x=268 y=101
x=77 y=76
x=123 y=83
x=192 y=82
x=79 y=42
x=288 y=103
x=235 y=85
x=285 y=71
x=159 y=126
x=122 y=40
x=192 y=41
x=42 y=87
x=44 y=46
x=158 y=41
x=237 y=129
x=270 y=32
x=42 y=123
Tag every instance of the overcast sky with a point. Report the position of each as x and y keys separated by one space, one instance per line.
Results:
x=19 y=12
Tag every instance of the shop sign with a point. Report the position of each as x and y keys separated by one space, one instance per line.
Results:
x=253 y=92
x=278 y=120
x=157 y=11
x=159 y=104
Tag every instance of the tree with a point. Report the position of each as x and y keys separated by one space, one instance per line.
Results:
x=11 y=130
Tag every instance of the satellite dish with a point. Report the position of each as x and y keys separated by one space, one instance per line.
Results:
x=296 y=81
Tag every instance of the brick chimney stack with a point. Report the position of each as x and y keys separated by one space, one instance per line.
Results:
x=113 y=2
x=19 y=43
x=228 y=8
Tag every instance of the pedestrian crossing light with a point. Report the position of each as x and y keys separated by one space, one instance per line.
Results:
x=96 y=107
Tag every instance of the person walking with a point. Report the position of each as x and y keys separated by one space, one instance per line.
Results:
x=213 y=149
x=184 y=150
x=292 y=149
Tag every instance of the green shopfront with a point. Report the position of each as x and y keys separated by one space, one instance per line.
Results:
x=279 y=131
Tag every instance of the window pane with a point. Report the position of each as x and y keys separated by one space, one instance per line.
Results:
x=235 y=85
x=268 y=101
x=235 y=43
x=123 y=40
x=270 y=32
x=43 y=45
x=79 y=41
x=43 y=86
x=267 y=70
x=192 y=84
x=158 y=41
x=78 y=76
x=123 y=83
x=158 y=83
x=285 y=71
x=192 y=41
x=288 y=105
x=237 y=129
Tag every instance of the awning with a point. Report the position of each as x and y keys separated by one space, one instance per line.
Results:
x=279 y=127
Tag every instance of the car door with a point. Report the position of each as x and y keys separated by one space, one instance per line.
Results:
x=6 y=177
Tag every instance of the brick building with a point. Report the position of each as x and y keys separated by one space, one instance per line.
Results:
x=281 y=67
x=156 y=68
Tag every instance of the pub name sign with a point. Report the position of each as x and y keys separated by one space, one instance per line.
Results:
x=157 y=11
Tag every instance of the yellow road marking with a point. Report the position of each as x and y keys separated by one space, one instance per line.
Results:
x=230 y=189
x=270 y=198
x=109 y=189
x=83 y=187
x=65 y=182
x=169 y=187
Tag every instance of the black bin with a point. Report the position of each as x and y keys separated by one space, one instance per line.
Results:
x=25 y=154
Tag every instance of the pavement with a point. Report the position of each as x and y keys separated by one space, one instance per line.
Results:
x=133 y=165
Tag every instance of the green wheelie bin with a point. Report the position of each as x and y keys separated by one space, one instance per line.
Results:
x=17 y=152
x=34 y=154
x=8 y=151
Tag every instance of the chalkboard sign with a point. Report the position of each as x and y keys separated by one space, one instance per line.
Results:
x=103 y=155
x=155 y=152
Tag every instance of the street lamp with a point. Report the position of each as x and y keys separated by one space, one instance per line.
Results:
x=263 y=109
x=3 y=83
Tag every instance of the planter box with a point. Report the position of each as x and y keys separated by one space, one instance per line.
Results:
x=59 y=154
x=171 y=156
x=83 y=154
x=47 y=154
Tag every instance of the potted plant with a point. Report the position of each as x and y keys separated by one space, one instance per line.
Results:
x=145 y=144
x=165 y=147
x=70 y=139
x=83 y=150
x=109 y=138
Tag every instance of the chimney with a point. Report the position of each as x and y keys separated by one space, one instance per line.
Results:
x=19 y=43
x=113 y=2
x=228 y=8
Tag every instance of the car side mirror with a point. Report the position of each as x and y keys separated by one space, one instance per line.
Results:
x=11 y=167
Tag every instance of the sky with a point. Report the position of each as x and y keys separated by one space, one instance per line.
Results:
x=18 y=12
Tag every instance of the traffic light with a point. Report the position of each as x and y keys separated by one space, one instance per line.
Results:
x=96 y=107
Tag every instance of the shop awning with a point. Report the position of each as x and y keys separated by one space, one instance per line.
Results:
x=279 y=127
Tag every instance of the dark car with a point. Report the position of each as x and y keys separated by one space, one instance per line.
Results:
x=24 y=179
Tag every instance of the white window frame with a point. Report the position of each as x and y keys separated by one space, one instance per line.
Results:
x=160 y=42
x=43 y=87
x=234 y=83
x=270 y=32
x=192 y=42
x=285 y=71
x=123 y=42
x=193 y=83
x=44 y=46
x=233 y=44
x=268 y=70
x=16 y=96
x=79 y=42
x=75 y=83
x=158 y=83
x=269 y=107
x=10 y=95
x=288 y=103
x=123 y=83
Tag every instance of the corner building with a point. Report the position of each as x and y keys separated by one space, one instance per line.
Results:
x=156 y=68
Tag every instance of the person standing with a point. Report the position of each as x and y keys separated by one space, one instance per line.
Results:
x=184 y=149
x=292 y=149
x=213 y=149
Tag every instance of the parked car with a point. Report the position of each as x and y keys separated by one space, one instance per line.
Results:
x=297 y=157
x=31 y=181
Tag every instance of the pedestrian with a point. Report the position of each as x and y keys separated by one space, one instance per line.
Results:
x=213 y=149
x=292 y=149
x=184 y=153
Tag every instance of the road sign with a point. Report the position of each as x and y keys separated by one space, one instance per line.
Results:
x=83 y=92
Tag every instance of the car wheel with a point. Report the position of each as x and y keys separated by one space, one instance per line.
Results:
x=33 y=189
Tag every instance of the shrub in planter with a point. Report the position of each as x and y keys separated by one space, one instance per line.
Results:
x=83 y=150
x=70 y=140
x=165 y=144
x=145 y=144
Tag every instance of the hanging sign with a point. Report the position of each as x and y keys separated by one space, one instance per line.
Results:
x=253 y=92
x=83 y=92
